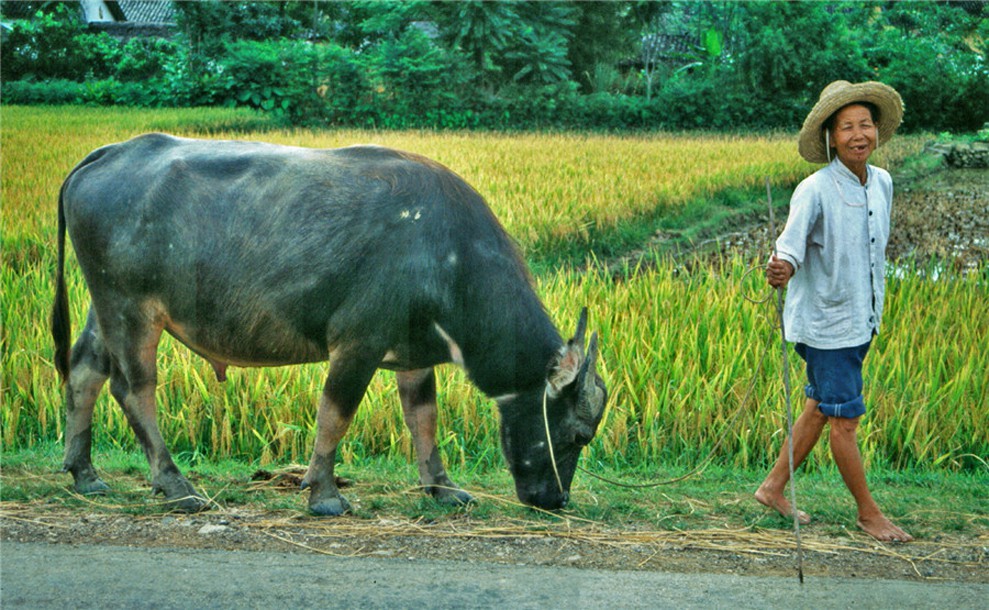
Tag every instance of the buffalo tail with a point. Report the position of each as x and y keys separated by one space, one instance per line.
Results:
x=61 y=323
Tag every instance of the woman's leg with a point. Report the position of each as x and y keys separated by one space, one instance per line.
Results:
x=844 y=447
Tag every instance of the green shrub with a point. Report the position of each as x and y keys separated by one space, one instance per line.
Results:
x=955 y=96
x=416 y=83
x=144 y=58
x=48 y=93
x=504 y=66
x=53 y=46
x=297 y=81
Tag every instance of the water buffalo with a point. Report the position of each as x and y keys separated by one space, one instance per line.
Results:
x=255 y=254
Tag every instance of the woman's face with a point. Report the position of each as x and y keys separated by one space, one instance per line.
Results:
x=854 y=135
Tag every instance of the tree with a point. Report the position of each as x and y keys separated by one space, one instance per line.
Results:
x=654 y=21
x=785 y=54
x=54 y=43
x=415 y=80
x=935 y=56
x=604 y=34
x=482 y=30
x=537 y=53
x=706 y=64
x=207 y=24
x=510 y=42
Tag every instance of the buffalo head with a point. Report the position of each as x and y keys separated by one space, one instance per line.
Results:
x=571 y=403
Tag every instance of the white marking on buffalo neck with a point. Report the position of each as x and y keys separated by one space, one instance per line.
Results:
x=455 y=354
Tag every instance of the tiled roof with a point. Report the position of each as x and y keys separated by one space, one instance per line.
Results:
x=148 y=11
x=136 y=11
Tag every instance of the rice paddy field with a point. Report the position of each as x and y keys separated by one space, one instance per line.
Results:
x=680 y=344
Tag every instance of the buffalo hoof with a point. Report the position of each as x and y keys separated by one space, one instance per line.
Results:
x=454 y=497
x=85 y=480
x=179 y=494
x=92 y=487
x=329 y=507
x=188 y=504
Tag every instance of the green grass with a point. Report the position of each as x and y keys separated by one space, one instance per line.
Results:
x=925 y=504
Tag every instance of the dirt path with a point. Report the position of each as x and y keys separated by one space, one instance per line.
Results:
x=575 y=544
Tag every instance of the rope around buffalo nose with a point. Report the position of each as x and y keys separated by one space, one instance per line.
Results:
x=549 y=441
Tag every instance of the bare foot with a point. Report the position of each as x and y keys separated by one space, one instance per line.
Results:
x=777 y=502
x=883 y=529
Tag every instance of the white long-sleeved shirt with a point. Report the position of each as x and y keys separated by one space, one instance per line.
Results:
x=835 y=238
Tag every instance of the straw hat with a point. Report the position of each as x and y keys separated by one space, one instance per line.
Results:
x=835 y=96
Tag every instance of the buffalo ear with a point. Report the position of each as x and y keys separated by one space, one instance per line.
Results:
x=567 y=366
x=564 y=369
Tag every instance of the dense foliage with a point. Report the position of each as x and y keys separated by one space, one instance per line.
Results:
x=598 y=65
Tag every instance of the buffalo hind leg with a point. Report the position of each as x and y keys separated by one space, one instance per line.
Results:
x=138 y=404
x=417 y=390
x=88 y=371
x=133 y=376
x=342 y=393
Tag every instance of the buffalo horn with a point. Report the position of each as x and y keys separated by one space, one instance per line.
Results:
x=590 y=402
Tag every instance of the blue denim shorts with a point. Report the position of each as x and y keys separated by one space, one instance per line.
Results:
x=834 y=379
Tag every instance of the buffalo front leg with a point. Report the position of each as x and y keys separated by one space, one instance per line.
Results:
x=417 y=389
x=88 y=371
x=344 y=389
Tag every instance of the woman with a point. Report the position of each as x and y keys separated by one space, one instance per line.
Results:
x=831 y=254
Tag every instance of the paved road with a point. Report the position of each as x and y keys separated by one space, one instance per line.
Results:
x=40 y=576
